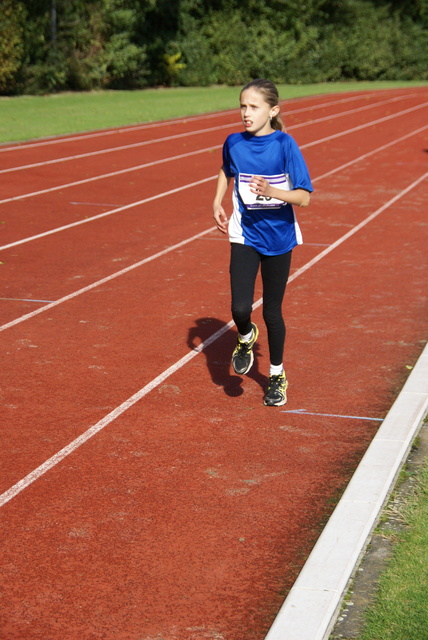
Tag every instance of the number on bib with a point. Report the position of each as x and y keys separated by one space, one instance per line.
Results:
x=254 y=201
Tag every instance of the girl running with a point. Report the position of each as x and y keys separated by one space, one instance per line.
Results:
x=270 y=175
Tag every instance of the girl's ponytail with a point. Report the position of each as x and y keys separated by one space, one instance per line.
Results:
x=277 y=123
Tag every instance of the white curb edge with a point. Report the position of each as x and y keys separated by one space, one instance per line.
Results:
x=312 y=606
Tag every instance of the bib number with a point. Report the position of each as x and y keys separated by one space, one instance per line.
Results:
x=256 y=201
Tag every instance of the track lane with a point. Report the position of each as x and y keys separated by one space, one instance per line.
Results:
x=186 y=134
x=97 y=141
x=19 y=213
x=81 y=170
x=43 y=286
x=229 y=469
x=78 y=161
x=225 y=467
x=175 y=285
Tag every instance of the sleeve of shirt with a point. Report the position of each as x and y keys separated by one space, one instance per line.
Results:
x=296 y=166
x=227 y=160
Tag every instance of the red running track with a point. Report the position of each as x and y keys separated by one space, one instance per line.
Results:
x=147 y=493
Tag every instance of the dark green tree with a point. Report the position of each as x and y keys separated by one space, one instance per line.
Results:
x=12 y=19
x=52 y=45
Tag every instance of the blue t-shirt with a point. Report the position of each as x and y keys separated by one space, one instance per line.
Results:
x=267 y=224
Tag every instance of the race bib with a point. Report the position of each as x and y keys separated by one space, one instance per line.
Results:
x=255 y=201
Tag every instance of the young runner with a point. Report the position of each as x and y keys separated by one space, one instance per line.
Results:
x=270 y=175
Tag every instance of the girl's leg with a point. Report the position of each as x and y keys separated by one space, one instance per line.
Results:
x=275 y=271
x=244 y=265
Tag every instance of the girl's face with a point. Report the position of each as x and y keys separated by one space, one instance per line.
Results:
x=256 y=112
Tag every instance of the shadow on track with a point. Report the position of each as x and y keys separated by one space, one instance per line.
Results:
x=219 y=353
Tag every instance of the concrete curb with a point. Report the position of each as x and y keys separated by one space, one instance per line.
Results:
x=312 y=606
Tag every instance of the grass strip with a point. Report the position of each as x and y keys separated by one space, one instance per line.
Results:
x=400 y=610
x=29 y=117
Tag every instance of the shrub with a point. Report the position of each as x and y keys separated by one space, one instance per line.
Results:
x=11 y=44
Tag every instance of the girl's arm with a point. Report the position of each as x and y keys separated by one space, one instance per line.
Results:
x=299 y=197
x=220 y=216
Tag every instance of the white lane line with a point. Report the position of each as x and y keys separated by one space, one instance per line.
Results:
x=353 y=231
x=347 y=113
x=110 y=417
x=188 y=134
x=70 y=296
x=112 y=174
x=161 y=161
x=107 y=213
x=125 y=147
x=116 y=210
x=100 y=133
x=96 y=204
x=152 y=125
x=364 y=126
x=112 y=276
x=26 y=300
x=371 y=153
x=303 y=412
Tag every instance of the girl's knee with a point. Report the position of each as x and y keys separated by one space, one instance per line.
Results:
x=273 y=317
x=241 y=312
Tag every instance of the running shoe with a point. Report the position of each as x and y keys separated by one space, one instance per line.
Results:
x=276 y=394
x=243 y=357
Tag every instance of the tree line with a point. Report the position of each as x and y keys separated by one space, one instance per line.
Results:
x=56 y=45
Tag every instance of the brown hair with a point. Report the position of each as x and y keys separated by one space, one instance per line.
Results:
x=270 y=94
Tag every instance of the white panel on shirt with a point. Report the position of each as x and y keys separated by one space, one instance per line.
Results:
x=235 y=225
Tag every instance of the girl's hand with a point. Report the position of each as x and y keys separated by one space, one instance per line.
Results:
x=260 y=186
x=220 y=218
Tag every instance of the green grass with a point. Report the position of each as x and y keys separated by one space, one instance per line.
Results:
x=27 y=117
x=400 y=611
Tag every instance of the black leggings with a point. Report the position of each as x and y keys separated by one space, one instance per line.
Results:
x=244 y=266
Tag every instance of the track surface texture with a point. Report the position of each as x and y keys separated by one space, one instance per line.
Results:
x=146 y=492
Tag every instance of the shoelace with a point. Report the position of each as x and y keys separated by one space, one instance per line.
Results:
x=276 y=381
x=243 y=347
